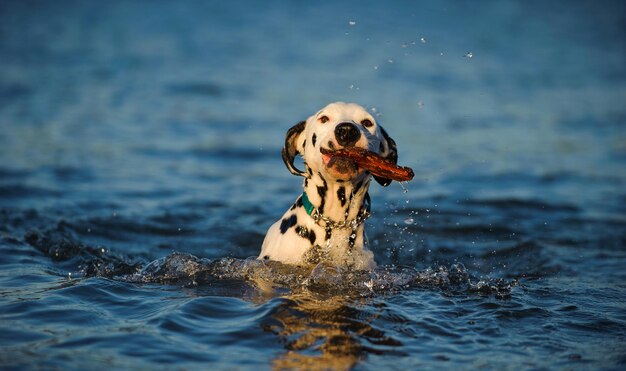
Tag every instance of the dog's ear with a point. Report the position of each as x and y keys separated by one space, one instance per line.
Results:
x=293 y=147
x=389 y=152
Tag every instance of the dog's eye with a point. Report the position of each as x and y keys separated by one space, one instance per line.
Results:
x=323 y=119
x=367 y=123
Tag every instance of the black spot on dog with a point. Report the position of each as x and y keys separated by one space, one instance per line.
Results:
x=296 y=204
x=266 y=257
x=364 y=206
x=329 y=232
x=351 y=240
x=341 y=194
x=314 y=139
x=304 y=232
x=287 y=223
x=304 y=144
x=358 y=186
x=321 y=191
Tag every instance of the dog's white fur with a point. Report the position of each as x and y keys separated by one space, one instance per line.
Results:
x=337 y=189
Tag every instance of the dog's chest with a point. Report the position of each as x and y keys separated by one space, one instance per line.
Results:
x=305 y=230
x=298 y=238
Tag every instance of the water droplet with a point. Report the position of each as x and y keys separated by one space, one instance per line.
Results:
x=352 y=23
x=389 y=60
x=469 y=55
x=423 y=40
x=409 y=221
x=420 y=104
x=375 y=67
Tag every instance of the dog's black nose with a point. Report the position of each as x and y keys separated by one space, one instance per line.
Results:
x=347 y=134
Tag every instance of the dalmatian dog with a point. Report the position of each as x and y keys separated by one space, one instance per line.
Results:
x=326 y=222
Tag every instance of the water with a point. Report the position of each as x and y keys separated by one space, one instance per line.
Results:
x=140 y=167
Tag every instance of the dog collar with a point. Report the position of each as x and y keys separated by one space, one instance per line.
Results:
x=308 y=206
x=331 y=224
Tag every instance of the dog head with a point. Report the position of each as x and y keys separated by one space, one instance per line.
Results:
x=338 y=125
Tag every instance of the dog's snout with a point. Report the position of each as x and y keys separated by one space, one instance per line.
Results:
x=347 y=134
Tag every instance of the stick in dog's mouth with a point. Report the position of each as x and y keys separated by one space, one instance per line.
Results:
x=373 y=162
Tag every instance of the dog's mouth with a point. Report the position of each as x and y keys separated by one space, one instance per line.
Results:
x=360 y=157
x=341 y=165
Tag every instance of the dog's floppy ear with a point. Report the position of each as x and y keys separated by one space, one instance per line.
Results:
x=390 y=152
x=291 y=148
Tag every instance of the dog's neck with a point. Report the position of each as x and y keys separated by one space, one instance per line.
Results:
x=337 y=201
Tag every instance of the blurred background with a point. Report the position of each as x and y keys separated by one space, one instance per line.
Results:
x=138 y=107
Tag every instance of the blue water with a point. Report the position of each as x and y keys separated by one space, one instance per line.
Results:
x=140 y=167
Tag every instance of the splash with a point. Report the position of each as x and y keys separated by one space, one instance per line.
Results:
x=325 y=279
x=186 y=269
x=404 y=186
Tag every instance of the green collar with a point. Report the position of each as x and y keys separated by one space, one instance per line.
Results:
x=308 y=206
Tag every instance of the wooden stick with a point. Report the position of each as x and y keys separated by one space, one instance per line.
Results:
x=373 y=162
